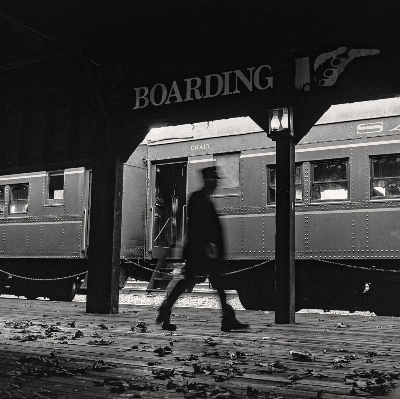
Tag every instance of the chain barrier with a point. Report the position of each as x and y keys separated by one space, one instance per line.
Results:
x=246 y=268
x=42 y=279
x=222 y=274
x=371 y=268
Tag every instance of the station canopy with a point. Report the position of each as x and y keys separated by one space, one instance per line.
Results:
x=160 y=63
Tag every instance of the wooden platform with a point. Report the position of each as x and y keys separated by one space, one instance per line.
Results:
x=56 y=350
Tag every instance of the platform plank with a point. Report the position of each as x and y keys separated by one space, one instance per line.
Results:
x=57 y=350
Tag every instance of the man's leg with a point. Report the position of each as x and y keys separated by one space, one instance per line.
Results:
x=174 y=290
x=229 y=321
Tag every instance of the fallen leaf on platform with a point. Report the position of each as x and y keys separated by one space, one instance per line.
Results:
x=210 y=342
x=101 y=365
x=77 y=334
x=339 y=360
x=319 y=375
x=302 y=356
x=153 y=363
x=342 y=325
x=141 y=327
x=163 y=374
x=100 y=342
x=163 y=351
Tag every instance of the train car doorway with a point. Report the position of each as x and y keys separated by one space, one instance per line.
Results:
x=169 y=209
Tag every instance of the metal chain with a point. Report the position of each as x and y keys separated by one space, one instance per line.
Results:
x=144 y=267
x=42 y=279
x=371 y=269
x=222 y=274
x=246 y=268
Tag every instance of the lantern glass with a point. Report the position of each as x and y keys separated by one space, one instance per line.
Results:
x=285 y=119
x=275 y=122
x=280 y=119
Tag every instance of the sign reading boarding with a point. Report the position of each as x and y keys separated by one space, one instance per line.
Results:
x=226 y=83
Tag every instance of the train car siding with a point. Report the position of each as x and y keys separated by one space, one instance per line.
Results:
x=44 y=224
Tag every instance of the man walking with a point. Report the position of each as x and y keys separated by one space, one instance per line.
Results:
x=203 y=251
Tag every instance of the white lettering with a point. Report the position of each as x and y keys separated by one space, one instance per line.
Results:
x=138 y=97
x=373 y=127
x=208 y=85
x=257 y=78
x=226 y=83
x=199 y=147
x=215 y=85
x=163 y=94
x=175 y=94
x=247 y=82
x=189 y=89
x=395 y=128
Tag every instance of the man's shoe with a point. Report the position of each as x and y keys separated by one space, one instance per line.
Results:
x=168 y=326
x=233 y=325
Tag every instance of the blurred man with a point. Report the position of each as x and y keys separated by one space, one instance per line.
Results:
x=203 y=251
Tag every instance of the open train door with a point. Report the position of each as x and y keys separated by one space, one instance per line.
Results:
x=167 y=219
x=168 y=209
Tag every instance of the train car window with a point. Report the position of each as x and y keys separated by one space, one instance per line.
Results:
x=56 y=186
x=2 y=198
x=229 y=165
x=271 y=184
x=330 y=181
x=385 y=176
x=19 y=194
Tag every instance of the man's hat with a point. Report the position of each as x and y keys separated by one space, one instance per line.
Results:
x=210 y=173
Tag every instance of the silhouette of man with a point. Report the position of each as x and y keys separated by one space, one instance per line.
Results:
x=203 y=251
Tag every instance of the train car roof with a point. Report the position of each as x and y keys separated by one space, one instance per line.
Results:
x=218 y=128
x=361 y=110
x=242 y=125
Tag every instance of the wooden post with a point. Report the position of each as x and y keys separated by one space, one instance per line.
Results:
x=285 y=229
x=105 y=202
x=105 y=233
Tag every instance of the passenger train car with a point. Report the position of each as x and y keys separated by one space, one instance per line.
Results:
x=347 y=210
x=44 y=225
